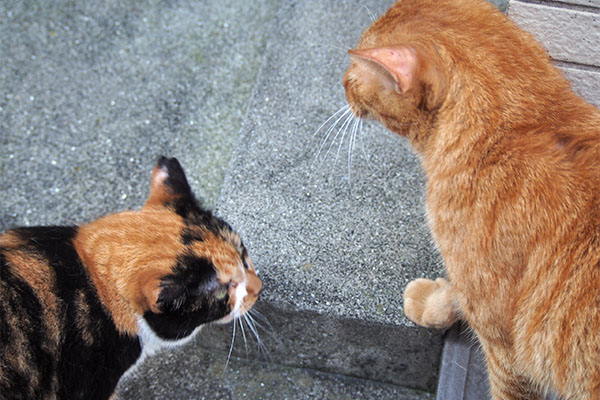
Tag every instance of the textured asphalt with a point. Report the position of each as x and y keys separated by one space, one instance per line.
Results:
x=92 y=93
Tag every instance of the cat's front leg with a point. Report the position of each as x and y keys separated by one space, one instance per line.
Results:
x=431 y=303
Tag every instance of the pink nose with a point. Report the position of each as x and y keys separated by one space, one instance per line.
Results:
x=253 y=284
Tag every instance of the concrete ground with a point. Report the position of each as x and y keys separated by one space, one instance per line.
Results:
x=92 y=93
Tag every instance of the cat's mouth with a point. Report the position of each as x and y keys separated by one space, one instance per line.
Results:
x=244 y=295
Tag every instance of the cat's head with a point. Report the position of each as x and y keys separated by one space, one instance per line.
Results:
x=422 y=57
x=395 y=76
x=172 y=264
x=212 y=277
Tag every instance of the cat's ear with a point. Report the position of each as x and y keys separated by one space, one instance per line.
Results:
x=168 y=183
x=399 y=62
x=410 y=68
x=164 y=295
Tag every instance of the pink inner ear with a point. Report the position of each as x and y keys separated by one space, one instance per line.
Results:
x=159 y=175
x=158 y=194
x=400 y=62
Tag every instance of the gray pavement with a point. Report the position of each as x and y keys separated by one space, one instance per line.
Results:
x=204 y=375
x=92 y=93
x=334 y=240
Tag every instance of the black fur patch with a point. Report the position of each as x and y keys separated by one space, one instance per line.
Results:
x=176 y=181
x=20 y=302
x=190 y=297
x=87 y=372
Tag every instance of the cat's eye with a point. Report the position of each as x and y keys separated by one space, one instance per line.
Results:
x=221 y=294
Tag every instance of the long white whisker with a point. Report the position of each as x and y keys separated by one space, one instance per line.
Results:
x=258 y=324
x=251 y=324
x=362 y=134
x=328 y=134
x=344 y=127
x=351 y=149
x=243 y=335
x=371 y=15
x=264 y=319
x=330 y=118
x=230 y=349
x=332 y=127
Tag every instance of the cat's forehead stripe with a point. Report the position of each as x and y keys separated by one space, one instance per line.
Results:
x=222 y=253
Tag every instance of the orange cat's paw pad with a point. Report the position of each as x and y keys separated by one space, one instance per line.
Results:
x=429 y=303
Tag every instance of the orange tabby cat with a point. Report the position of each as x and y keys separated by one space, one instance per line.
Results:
x=512 y=159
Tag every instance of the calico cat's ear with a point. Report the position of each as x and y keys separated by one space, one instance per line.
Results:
x=168 y=183
x=410 y=68
x=163 y=294
x=399 y=62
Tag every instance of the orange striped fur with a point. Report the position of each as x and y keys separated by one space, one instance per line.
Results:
x=512 y=160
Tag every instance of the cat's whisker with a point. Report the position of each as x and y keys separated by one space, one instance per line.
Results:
x=230 y=349
x=252 y=327
x=344 y=108
x=351 y=148
x=361 y=135
x=261 y=317
x=328 y=134
x=343 y=128
x=261 y=347
x=343 y=63
x=371 y=14
x=268 y=328
x=243 y=335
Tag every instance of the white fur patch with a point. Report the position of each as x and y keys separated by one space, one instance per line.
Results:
x=151 y=342
x=162 y=174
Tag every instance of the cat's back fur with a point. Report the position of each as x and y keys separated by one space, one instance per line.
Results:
x=512 y=159
x=56 y=337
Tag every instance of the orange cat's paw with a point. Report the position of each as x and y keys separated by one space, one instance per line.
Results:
x=430 y=303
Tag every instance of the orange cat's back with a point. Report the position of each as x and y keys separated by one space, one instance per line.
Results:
x=512 y=159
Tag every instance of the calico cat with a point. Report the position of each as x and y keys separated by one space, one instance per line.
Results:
x=73 y=299
x=512 y=162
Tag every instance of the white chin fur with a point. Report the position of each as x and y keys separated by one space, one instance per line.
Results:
x=151 y=342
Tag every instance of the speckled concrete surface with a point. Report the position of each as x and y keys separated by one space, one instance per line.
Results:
x=342 y=237
x=338 y=234
x=182 y=373
x=91 y=93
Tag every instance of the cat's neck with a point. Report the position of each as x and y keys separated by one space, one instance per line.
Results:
x=122 y=253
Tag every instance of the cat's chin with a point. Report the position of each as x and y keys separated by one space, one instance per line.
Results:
x=227 y=319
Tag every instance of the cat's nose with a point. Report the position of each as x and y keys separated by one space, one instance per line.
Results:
x=253 y=284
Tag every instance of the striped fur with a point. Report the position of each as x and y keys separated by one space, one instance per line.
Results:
x=512 y=160
x=71 y=297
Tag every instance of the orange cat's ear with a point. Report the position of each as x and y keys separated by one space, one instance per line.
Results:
x=168 y=183
x=399 y=62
